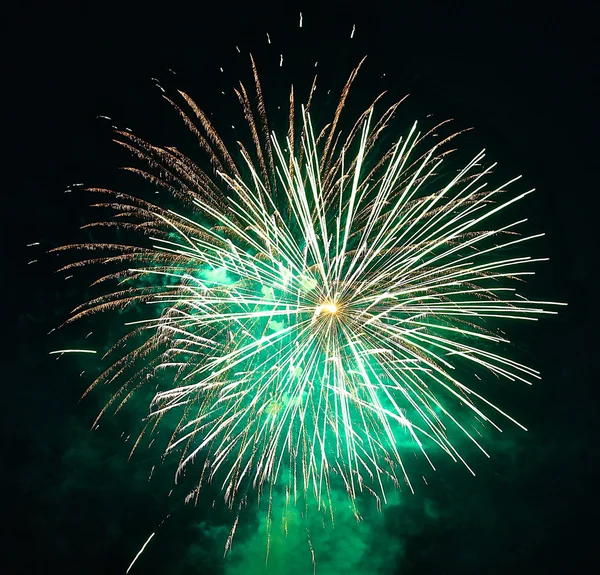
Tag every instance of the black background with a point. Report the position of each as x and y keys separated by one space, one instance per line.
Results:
x=524 y=75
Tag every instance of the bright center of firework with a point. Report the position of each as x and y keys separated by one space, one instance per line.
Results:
x=328 y=307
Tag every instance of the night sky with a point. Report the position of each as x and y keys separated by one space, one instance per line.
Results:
x=526 y=79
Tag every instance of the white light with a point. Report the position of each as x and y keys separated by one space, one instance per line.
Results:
x=329 y=307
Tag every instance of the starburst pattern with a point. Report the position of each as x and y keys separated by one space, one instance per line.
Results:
x=315 y=304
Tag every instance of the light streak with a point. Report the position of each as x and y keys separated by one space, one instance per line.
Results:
x=72 y=351
x=139 y=552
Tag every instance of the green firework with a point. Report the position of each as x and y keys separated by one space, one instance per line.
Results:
x=318 y=307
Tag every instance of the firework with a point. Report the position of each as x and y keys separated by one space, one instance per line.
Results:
x=316 y=306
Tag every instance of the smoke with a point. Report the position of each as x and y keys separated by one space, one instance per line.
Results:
x=301 y=541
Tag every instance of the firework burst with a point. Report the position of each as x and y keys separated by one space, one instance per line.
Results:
x=316 y=304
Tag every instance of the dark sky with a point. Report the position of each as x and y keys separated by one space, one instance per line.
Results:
x=527 y=80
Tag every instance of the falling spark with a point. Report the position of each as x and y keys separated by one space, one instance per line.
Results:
x=139 y=553
x=61 y=351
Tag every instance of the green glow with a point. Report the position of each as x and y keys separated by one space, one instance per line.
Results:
x=318 y=321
